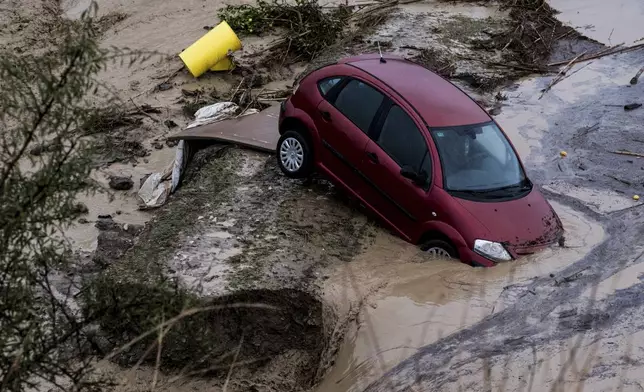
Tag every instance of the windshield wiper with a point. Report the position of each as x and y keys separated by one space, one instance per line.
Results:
x=523 y=186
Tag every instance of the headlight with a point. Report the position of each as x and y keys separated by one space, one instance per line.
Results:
x=492 y=250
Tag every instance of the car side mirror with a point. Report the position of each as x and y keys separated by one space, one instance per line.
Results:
x=419 y=179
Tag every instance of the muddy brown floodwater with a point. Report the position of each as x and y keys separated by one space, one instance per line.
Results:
x=425 y=300
x=609 y=22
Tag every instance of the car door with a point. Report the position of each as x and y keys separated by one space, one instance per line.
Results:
x=398 y=142
x=344 y=119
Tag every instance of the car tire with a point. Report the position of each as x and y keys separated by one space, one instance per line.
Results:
x=439 y=249
x=294 y=155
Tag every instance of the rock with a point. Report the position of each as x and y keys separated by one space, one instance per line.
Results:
x=113 y=241
x=170 y=124
x=105 y=216
x=157 y=145
x=120 y=183
x=119 y=212
x=37 y=150
x=80 y=209
x=83 y=221
x=111 y=246
x=171 y=143
x=164 y=86
x=107 y=224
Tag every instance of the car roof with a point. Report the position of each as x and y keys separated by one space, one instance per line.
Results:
x=437 y=101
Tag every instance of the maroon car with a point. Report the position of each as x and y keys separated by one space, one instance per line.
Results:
x=420 y=154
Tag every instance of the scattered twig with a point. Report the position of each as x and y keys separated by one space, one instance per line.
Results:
x=143 y=112
x=632 y=106
x=232 y=365
x=605 y=52
x=629 y=153
x=619 y=180
x=637 y=76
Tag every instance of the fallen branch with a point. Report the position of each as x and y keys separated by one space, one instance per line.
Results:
x=560 y=75
x=603 y=53
x=637 y=76
x=629 y=153
x=143 y=112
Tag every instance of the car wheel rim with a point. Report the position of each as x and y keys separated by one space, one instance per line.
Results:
x=437 y=253
x=291 y=154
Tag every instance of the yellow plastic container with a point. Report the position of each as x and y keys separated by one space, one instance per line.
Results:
x=210 y=49
x=226 y=64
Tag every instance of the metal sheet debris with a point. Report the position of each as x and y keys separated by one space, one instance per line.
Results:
x=257 y=131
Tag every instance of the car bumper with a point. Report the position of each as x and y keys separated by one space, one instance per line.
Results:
x=470 y=257
x=474 y=259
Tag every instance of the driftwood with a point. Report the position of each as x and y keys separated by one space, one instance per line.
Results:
x=629 y=153
x=604 y=52
x=560 y=75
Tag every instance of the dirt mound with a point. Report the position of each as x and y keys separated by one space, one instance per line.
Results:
x=269 y=338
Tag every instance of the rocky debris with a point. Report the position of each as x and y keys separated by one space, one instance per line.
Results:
x=121 y=183
x=164 y=87
x=83 y=221
x=171 y=143
x=37 y=150
x=170 y=124
x=80 y=209
x=114 y=240
x=157 y=145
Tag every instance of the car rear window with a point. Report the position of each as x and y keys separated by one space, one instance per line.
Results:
x=359 y=102
x=325 y=85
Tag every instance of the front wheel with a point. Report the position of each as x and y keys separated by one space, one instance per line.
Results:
x=294 y=155
x=439 y=249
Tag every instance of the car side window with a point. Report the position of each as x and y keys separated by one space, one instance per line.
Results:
x=359 y=102
x=325 y=85
x=401 y=139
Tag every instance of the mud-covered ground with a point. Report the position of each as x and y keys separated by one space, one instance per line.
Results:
x=361 y=308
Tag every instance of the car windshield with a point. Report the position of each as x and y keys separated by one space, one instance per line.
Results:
x=477 y=158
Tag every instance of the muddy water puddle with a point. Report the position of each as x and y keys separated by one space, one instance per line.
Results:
x=609 y=22
x=416 y=301
x=121 y=205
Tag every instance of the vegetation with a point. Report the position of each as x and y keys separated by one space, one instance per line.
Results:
x=307 y=28
x=43 y=102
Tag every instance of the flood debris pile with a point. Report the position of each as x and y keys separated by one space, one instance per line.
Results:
x=529 y=37
x=307 y=28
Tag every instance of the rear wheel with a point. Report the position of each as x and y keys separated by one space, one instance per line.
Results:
x=439 y=249
x=294 y=155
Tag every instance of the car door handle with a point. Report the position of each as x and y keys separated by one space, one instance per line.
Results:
x=373 y=157
x=325 y=115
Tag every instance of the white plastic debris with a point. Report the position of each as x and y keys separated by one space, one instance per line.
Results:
x=157 y=187
x=213 y=113
x=154 y=192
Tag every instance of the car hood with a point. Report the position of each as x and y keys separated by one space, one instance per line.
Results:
x=524 y=223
